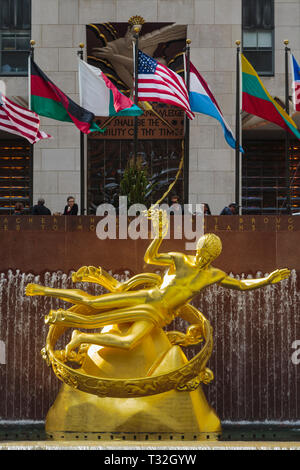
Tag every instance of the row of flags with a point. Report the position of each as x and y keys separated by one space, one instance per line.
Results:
x=156 y=82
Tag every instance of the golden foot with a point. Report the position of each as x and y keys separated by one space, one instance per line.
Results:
x=85 y=273
x=34 y=289
x=55 y=316
x=76 y=340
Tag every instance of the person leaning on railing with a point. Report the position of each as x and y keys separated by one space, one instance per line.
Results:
x=71 y=208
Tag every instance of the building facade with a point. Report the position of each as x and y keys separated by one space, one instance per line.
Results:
x=52 y=168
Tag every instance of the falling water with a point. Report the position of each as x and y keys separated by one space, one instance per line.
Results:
x=255 y=378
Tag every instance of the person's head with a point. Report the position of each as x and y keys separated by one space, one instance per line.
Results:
x=41 y=201
x=19 y=207
x=209 y=247
x=71 y=201
x=206 y=209
x=233 y=207
x=174 y=199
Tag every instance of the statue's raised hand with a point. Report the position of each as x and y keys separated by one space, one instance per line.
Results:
x=278 y=275
x=160 y=222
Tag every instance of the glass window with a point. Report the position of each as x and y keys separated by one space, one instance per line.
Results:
x=250 y=39
x=264 y=39
x=15 y=32
x=15 y=14
x=264 y=188
x=258 y=34
x=258 y=14
x=15 y=175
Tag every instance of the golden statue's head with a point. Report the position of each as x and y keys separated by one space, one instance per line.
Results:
x=209 y=247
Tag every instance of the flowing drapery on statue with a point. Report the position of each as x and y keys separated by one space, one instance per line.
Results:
x=147 y=382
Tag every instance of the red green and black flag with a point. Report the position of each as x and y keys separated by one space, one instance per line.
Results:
x=48 y=100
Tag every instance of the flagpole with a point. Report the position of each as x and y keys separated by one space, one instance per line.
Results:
x=237 y=127
x=136 y=30
x=186 y=168
x=287 y=137
x=82 y=159
x=30 y=56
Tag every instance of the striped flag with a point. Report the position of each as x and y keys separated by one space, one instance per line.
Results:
x=156 y=82
x=203 y=101
x=21 y=121
x=296 y=83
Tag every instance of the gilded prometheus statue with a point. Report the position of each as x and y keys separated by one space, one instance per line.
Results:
x=132 y=357
x=151 y=307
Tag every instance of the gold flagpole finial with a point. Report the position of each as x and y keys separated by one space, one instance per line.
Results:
x=136 y=20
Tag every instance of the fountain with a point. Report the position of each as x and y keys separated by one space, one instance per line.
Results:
x=260 y=328
x=137 y=379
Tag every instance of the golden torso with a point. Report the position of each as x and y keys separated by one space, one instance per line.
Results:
x=182 y=282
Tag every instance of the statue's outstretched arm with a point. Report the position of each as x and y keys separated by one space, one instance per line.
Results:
x=160 y=227
x=250 y=284
x=153 y=257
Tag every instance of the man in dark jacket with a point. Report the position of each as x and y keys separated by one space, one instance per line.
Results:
x=40 y=208
x=71 y=208
x=230 y=210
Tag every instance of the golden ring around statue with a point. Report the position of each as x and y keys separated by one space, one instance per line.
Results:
x=185 y=378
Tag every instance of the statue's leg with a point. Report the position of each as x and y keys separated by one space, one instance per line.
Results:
x=77 y=296
x=113 y=306
x=134 y=334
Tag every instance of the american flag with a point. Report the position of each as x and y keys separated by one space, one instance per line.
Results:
x=296 y=83
x=21 y=121
x=156 y=82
